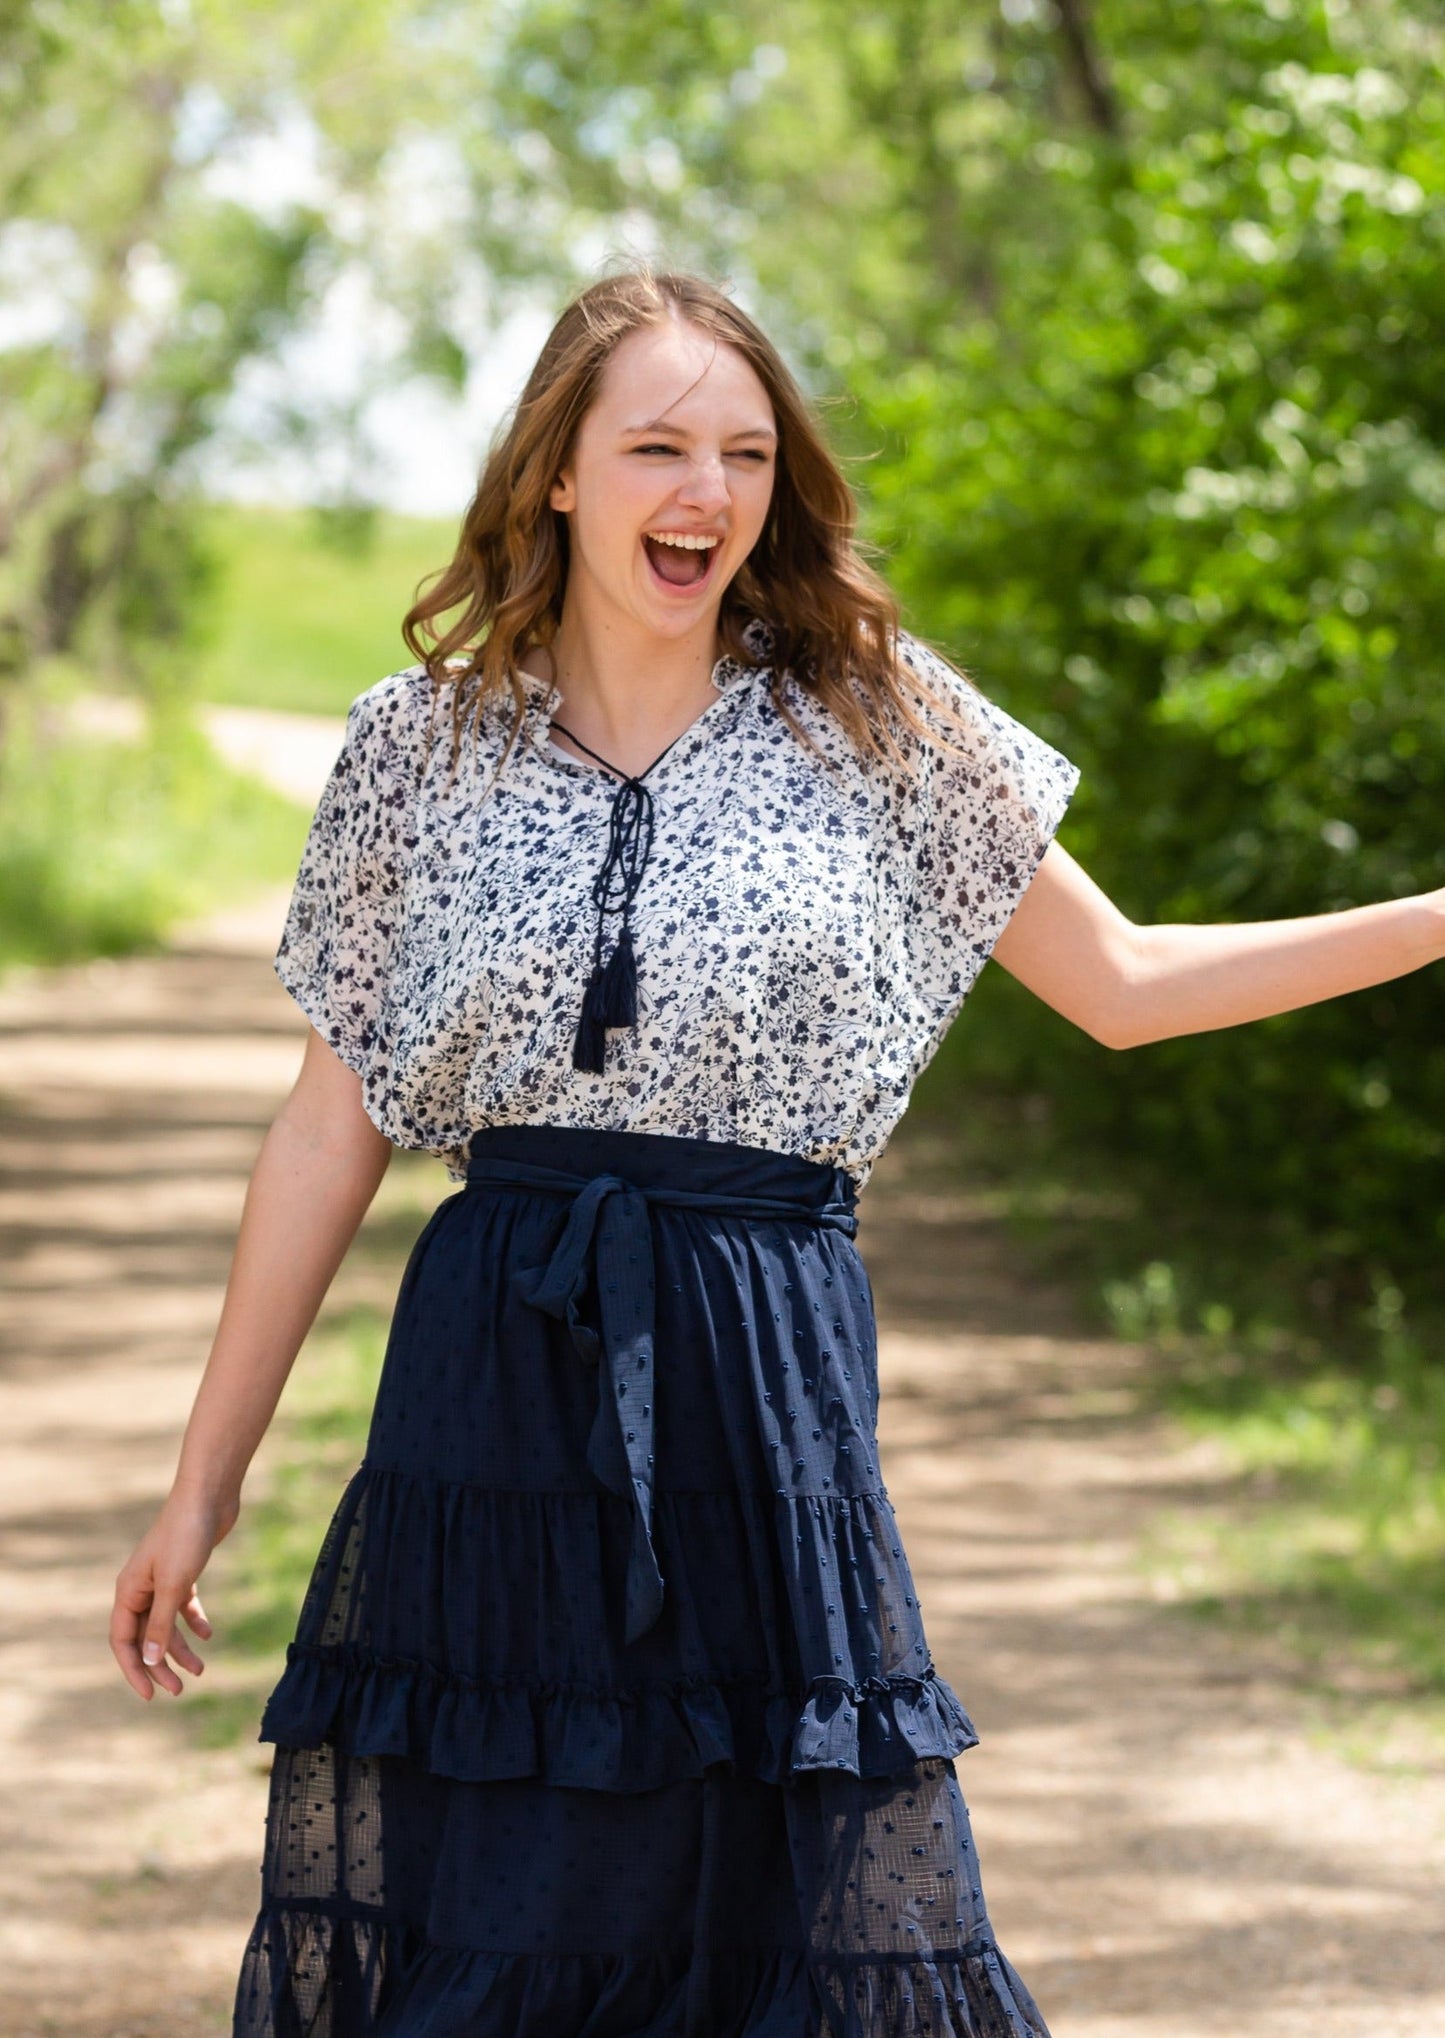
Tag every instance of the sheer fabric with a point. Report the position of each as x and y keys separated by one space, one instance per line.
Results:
x=809 y=922
x=492 y=1815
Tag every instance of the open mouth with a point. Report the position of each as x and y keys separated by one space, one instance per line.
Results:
x=680 y=567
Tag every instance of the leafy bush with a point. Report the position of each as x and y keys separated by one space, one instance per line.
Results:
x=1182 y=511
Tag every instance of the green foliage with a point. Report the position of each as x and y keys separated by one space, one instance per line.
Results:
x=1183 y=513
x=256 y=1581
x=307 y=605
x=149 y=266
x=105 y=843
x=1135 y=309
x=1333 y=1537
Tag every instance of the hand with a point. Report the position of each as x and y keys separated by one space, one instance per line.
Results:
x=157 y=1583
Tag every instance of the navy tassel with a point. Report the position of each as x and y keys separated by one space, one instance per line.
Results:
x=589 y=1046
x=619 y=983
x=610 y=998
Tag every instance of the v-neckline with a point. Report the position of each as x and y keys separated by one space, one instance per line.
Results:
x=680 y=743
x=624 y=778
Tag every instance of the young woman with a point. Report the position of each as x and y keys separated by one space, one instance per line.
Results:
x=642 y=900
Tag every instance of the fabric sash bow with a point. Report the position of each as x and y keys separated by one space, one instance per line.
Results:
x=606 y=1242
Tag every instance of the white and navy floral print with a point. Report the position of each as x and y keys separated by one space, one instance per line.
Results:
x=807 y=926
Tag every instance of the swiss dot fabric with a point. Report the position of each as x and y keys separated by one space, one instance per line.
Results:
x=806 y=928
x=493 y=1816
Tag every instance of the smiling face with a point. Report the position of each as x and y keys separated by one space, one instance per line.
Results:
x=669 y=483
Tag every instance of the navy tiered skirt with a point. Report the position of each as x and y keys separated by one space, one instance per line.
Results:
x=610 y=1712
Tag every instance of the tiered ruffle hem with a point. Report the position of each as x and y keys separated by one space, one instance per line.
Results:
x=494 y=1816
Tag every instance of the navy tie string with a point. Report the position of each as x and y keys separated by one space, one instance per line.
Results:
x=611 y=995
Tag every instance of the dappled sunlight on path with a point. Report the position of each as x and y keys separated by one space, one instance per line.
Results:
x=133 y=1098
x=1167 y=1852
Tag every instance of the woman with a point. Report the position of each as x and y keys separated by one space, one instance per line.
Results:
x=642 y=899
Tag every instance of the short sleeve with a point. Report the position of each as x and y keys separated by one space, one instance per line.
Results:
x=986 y=810
x=342 y=925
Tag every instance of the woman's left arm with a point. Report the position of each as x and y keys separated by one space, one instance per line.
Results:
x=1125 y=984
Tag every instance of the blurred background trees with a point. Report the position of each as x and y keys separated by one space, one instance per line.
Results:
x=1138 y=313
x=1126 y=313
x=182 y=182
x=143 y=275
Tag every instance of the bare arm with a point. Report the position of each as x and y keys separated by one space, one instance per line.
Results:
x=1126 y=985
x=319 y=1167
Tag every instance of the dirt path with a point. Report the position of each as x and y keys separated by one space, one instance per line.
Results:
x=1167 y=1852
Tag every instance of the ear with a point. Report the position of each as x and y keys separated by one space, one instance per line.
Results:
x=563 y=495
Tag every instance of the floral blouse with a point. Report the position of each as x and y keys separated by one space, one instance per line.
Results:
x=805 y=927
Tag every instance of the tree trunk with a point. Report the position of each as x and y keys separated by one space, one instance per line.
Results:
x=1086 y=66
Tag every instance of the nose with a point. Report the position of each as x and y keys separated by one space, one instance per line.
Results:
x=705 y=485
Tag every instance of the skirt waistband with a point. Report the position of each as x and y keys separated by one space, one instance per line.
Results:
x=654 y=1162
x=611 y=1182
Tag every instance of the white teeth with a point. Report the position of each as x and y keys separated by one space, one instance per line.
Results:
x=688 y=544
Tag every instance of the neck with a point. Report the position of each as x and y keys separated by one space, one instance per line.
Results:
x=626 y=692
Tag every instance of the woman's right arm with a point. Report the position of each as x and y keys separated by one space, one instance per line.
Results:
x=319 y=1167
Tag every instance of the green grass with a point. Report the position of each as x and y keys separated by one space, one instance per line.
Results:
x=1330 y=1536
x=255 y=1582
x=307 y=612
x=1325 y=1405
x=105 y=843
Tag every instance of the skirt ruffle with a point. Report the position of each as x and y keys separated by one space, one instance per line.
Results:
x=624 y=1740
x=410 y=1540
x=308 y=1973
x=494 y=1816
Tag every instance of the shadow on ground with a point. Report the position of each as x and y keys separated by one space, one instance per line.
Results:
x=1167 y=1852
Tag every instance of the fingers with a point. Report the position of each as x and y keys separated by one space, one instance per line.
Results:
x=155 y=1590
x=181 y=1652
x=160 y=1634
x=143 y=1631
x=132 y=1604
x=194 y=1615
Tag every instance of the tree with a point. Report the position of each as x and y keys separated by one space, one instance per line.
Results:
x=1135 y=311
x=140 y=288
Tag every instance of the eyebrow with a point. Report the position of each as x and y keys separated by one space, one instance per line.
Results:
x=661 y=425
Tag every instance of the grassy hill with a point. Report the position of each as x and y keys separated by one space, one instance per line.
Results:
x=306 y=612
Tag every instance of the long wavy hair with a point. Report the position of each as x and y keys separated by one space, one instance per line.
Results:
x=831 y=620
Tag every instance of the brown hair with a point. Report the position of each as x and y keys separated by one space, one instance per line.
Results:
x=832 y=620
